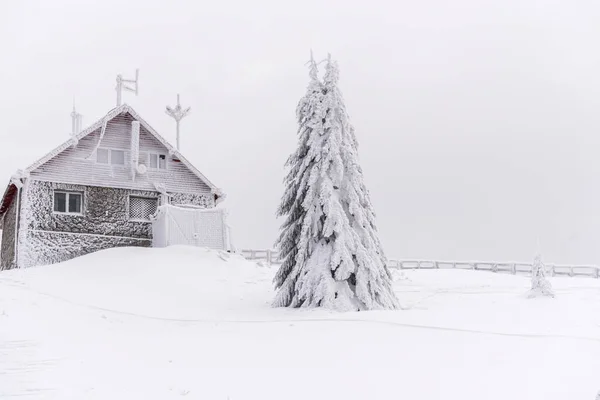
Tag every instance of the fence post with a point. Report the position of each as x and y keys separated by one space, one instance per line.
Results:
x=252 y=255
x=436 y=265
x=269 y=256
x=514 y=269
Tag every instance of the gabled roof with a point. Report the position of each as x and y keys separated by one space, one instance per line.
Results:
x=125 y=108
x=112 y=114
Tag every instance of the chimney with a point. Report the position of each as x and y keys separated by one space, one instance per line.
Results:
x=135 y=147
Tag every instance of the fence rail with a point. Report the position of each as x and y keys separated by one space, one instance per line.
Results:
x=515 y=268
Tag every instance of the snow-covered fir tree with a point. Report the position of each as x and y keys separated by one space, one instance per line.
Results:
x=540 y=286
x=332 y=254
x=294 y=195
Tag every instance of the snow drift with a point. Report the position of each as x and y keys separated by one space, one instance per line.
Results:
x=183 y=322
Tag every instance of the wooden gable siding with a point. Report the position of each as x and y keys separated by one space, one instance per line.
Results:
x=77 y=165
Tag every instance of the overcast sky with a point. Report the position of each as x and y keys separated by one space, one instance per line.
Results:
x=478 y=121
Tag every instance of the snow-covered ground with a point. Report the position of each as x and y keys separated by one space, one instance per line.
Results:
x=183 y=323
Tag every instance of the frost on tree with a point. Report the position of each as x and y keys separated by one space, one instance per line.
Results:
x=332 y=255
x=540 y=286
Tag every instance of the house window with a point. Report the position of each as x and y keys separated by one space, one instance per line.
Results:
x=141 y=208
x=158 y=161
x=117 y=157
x=68 y=202
x=102 y=156
x=110 y=156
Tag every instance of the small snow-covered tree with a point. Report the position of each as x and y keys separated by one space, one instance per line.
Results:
x=540 y=286
x=332 y=254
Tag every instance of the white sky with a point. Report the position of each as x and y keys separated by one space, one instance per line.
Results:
x=478 y=121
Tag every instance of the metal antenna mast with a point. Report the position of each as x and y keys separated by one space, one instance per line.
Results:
x=177 y=113
x=75 y=121
x=122 y=84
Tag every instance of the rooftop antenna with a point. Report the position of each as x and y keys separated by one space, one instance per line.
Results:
x=75 y=121
x=122 y=84
x=177 y=113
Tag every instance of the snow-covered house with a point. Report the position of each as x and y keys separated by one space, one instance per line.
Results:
x=96 y=190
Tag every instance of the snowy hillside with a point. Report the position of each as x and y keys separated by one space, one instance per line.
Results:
x=184 y=323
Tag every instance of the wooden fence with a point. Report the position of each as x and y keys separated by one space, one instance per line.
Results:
x=520 y=268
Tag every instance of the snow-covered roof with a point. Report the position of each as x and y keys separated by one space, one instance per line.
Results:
x=122 y=109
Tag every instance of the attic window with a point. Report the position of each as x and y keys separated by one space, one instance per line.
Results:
x=110 y=156
x=117 y=157
x=158 y=161
x=102 y=156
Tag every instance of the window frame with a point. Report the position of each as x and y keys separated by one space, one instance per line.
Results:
x=129 y=218
x=110 y=163
x=68 y=194
x=157 y=154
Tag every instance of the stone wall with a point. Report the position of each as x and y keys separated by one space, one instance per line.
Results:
x=104 y=223
x=105 y=211
x=201 y=200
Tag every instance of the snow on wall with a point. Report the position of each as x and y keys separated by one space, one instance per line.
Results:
x=53 y=247
x=53 y=237
x=201 y=200
x=105 y=211
x=77 y=164
x=7 y=245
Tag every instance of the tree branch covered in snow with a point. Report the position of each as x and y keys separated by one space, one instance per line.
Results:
x=332 y=254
